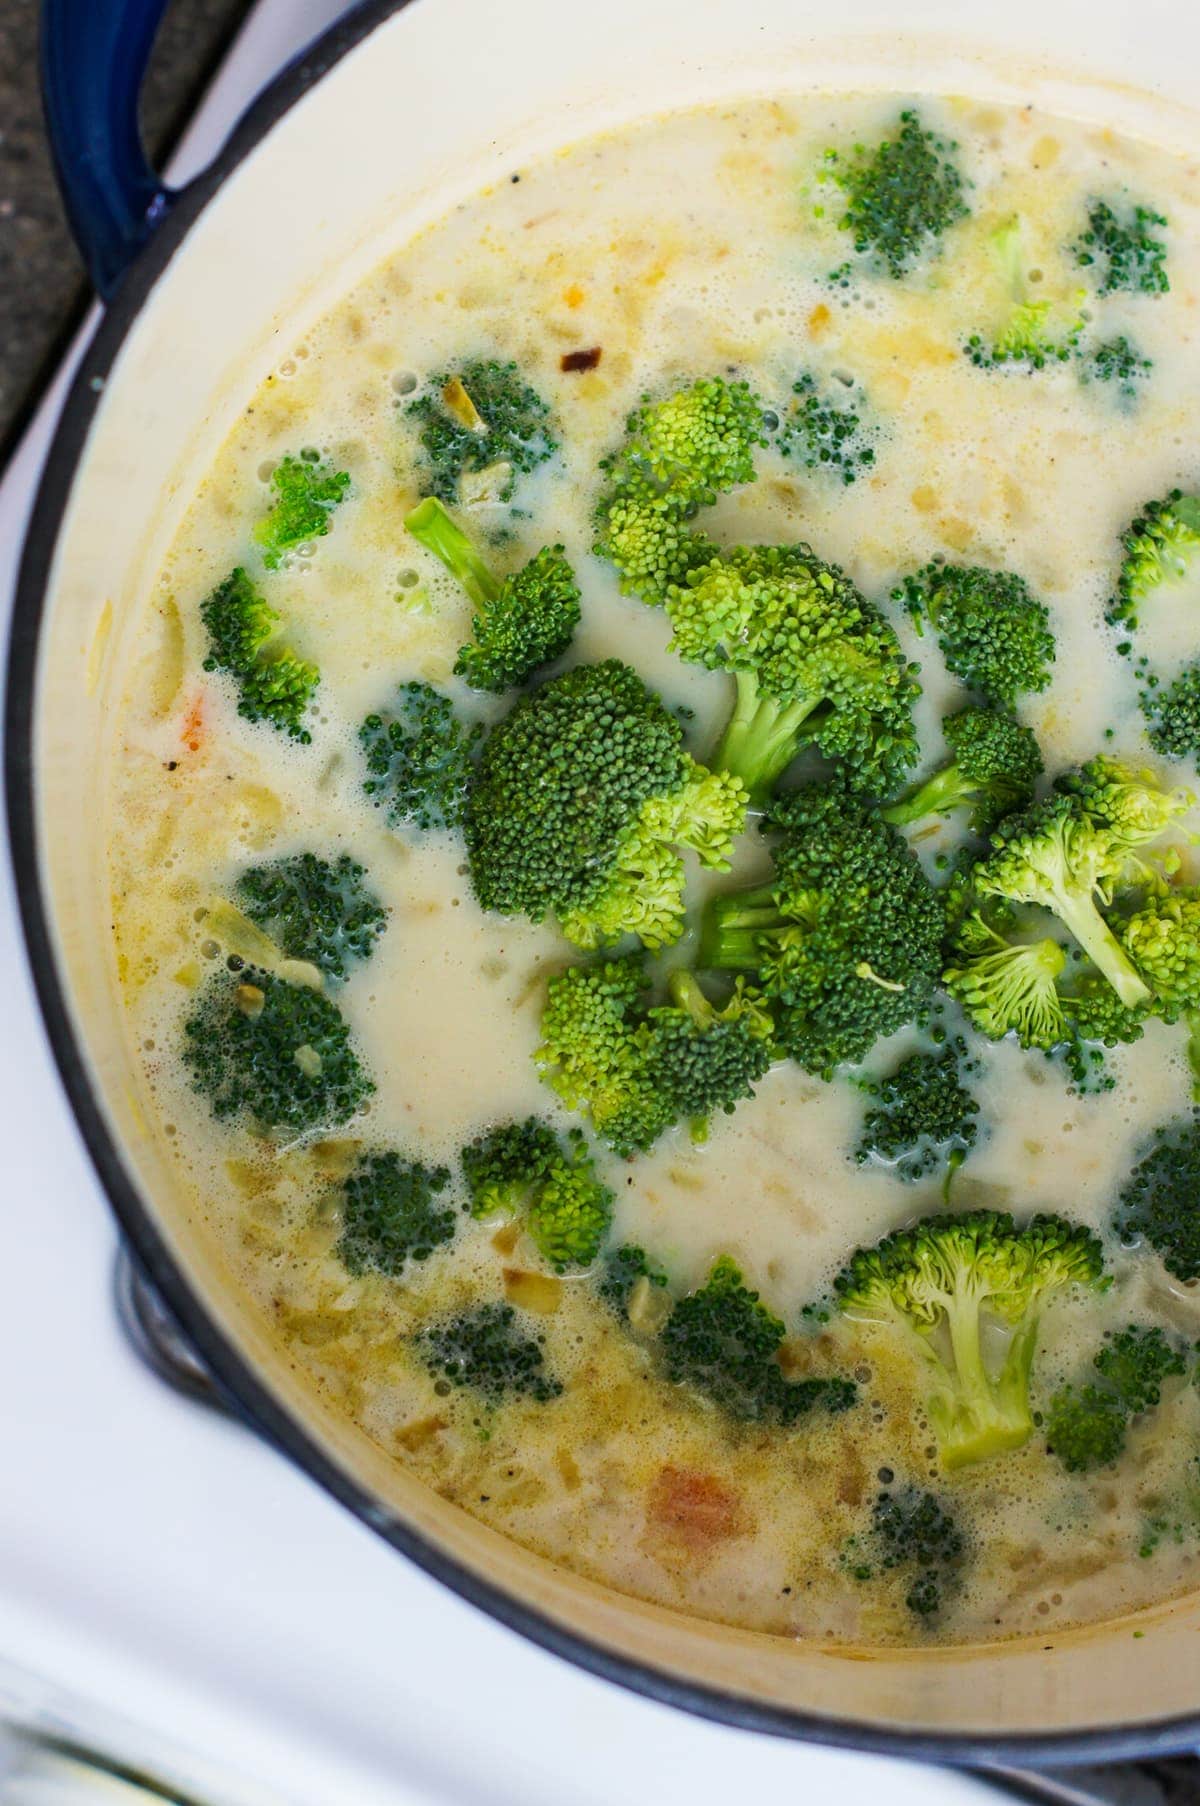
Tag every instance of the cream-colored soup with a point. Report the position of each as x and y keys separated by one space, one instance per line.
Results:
x=692 y=244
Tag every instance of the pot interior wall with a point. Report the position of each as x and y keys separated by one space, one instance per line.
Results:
x=366 y=158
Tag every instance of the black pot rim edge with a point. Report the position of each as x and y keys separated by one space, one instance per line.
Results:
x=235 y=1377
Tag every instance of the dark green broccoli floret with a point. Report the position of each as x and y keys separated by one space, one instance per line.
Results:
x=822 y=436
x=239 y=622
x=624 y=1269
x=993 y=631
x=484 y=416
x=581 y=806
x=276 y=1053
x=419 y=758
x=901 y=195
x=503 y=1166
x=314 y=909
x=1117 y=363
x=813 y=661
x=939 y=1282
x=1122 y=250
x=1173 y=714
x=273 y=684
x=279 y=689
x=1034 y=330
x=307 y=490
x=1158 y=1203
x=845 y=940
x=1086 y=1425
x=1157 y=549
x=485 y=1349
x=390 y=1214
x=923 y=1116
x=705 y=1058
x=724 y=1341
x=521 y=1168
x=996 y=762
x=521 y=622
x=915 y=1533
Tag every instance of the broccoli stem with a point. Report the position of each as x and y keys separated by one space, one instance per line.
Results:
x=1079 y=914
x=762 y=736
x=732 y=925
x=432 y=527
x=941 y=794
x=973 y=1416
x=684 y=990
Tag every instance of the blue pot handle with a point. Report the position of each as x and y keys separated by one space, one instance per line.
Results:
x=94 y=56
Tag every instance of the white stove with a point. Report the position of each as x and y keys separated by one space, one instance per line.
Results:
x=176 y=1596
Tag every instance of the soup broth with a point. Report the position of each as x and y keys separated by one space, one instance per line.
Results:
x=690 y=245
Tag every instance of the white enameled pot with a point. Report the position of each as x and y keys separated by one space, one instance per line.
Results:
x=402 y=111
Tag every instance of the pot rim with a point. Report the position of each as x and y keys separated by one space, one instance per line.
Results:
x=233 y=1374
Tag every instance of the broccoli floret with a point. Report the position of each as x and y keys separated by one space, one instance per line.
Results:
x=279 y=690
x=626 y=1270
x=706 y=1058
x=1162 y=938
x=484 y=416
x=1031 y=333
x=1158 y=1203
x=273 y=684
x=813 y=661
x=307 y=490
x=521 y=1168
x=723 y=1341
x=521 y=622
x=1173 y=714
x=486 y=1350
x=923 y=1116
x=1157 y=549
x=993 y=631
x=940 y=1281
x=1123 y=251
x=1129 y=808
x=596 y=1054
x=845 y=940
x=1060 y=855
x=239 y=622
x=276 y=1053
x=1118 y=363
x=419 y=759
x=915 y=1533
x=645 y=535
x=505 y=1165
x=822 y=436
x=901 y=195
x=996 y=762
x=637 y=1071
x=1008 y=987
x=314 y=909
x=678 y=455
x=1086 y=1425
x=391 y=1214
x=582 y=802
x=571 y=1211
x=695 y=445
